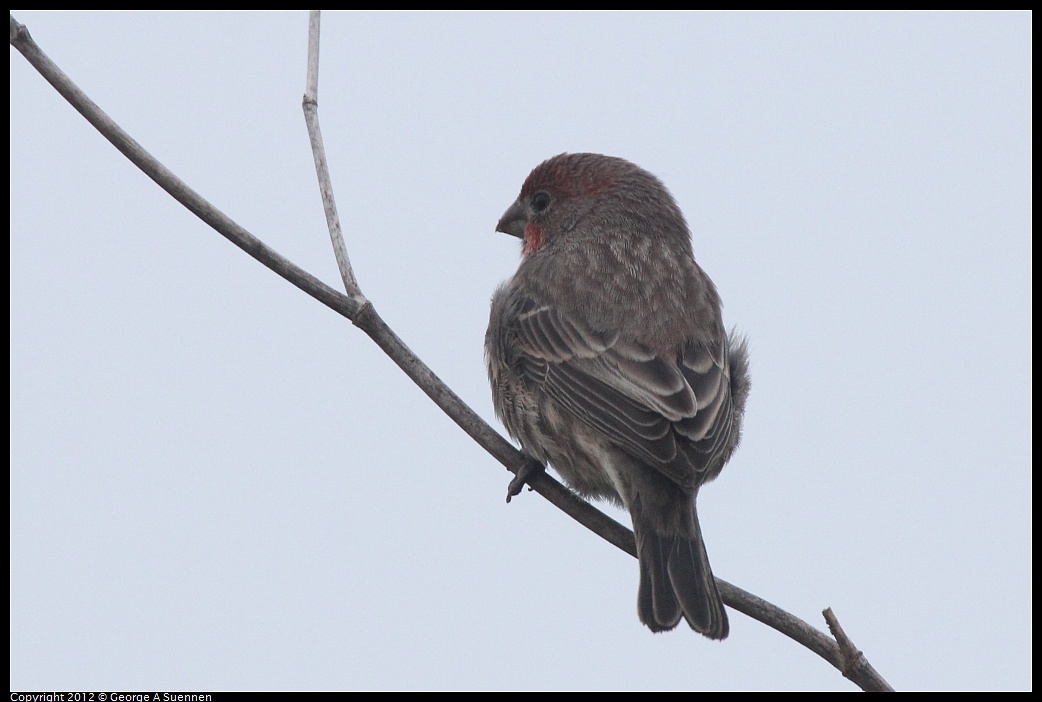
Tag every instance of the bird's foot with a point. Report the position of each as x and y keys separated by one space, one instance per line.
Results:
x=530 y=468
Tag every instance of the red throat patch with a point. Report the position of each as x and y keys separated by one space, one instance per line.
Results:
x=533 y=238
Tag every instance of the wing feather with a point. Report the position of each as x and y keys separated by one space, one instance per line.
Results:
x=672 y=413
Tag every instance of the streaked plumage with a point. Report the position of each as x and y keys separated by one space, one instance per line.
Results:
x=608 y=360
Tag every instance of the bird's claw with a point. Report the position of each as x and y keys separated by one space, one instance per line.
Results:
x=527 y=471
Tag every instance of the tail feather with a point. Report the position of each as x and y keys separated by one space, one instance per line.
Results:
x=695 y=587
x=676 y=580
x=657 y=604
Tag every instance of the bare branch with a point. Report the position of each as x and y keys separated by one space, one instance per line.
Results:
x=178 y=189
x=853 y=663
x=361 y=312
x=318 y=151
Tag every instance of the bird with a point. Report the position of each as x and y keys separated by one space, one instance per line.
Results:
x=609 y=361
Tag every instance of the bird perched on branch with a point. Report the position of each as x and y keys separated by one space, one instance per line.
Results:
x=609 y=360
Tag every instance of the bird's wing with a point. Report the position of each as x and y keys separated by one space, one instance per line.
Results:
x=673 y=414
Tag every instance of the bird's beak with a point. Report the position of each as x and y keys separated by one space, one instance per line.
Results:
x=513 y=221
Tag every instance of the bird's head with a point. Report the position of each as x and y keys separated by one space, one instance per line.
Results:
x=607 y=196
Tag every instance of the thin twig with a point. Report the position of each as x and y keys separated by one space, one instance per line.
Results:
x=318 y=151
x=361 y=312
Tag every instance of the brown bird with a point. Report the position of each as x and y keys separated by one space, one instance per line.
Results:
x=609 y=360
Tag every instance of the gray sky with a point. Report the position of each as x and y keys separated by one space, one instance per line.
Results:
x=217 y=483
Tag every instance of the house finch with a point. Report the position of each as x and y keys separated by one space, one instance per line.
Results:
x=608 y=360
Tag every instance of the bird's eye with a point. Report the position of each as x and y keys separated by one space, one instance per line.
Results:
x=540 y=201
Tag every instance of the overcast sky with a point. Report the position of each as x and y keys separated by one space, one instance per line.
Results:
x=218 y=483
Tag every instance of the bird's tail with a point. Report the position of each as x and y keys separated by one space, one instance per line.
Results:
x=675 y=577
